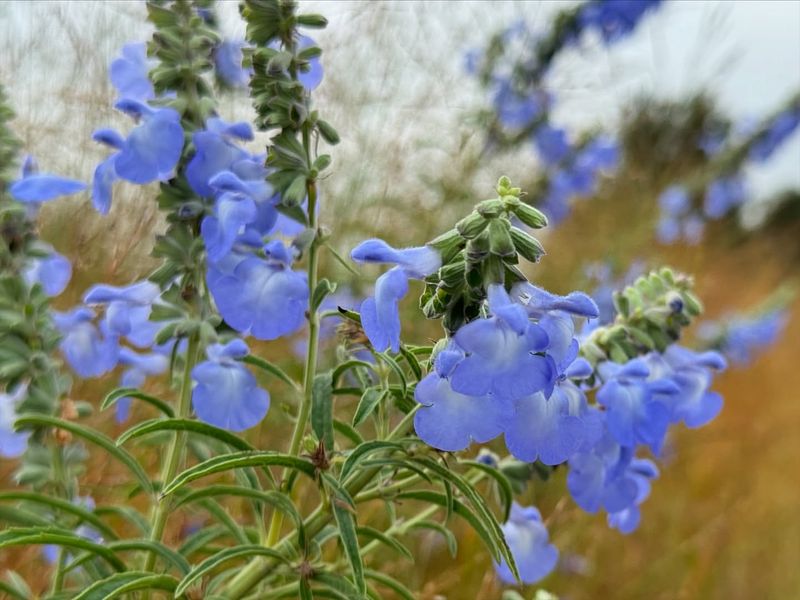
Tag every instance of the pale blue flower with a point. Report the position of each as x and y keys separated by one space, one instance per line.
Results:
x=530 y=545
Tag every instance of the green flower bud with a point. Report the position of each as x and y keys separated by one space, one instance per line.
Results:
x=448 y=244
x=471 y=226
x=526 y=245
x=452 y=274
x=490 y=209
x=529 y=215
x=478 y=248
x=500 y=242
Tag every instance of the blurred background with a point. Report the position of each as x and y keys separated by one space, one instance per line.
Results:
x=722 y=521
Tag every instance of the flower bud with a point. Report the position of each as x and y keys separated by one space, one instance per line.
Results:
x=471 y=226
x=500 y=242
x=526 y=245
x=490 y=209
x=529 y=215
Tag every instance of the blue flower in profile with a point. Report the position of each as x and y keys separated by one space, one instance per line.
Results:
x=538 y=302
x=530 y=546
x=128 y=73
x=500 y=353
x=641 y=471
x=262 y=297
x=692 y=373
x=89 y=351
x=52 y=272
x=149 y=153
x=34 y=188
x=379 y=315
x=226 y=394
x=599 y=477
x=551 y=143
x=551 y=428
x=637 y=409
x=138 y=368
x=12 y=443
x=240 y=203
x=515 y=110
x=128 y=310
x=228 y=64
x=741 y=337
x=216 y=151
x=451 y=421
x=722 y=196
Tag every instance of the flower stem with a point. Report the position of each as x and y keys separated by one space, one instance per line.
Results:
x=174 y=452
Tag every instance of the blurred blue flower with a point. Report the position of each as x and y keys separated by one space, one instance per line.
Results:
x=693 y=373
x=228 y=63
x=89 y=351
x=776 y=134
x=226 y=394
x=449 y=420
x=262 y=297
x=379 y=315
x=515 y=110
x=12 y=443
x=614 y=19
x=129 y=73
x=722 y=196
x=138 y=368
x=530 y=545
x=500 y=349
x=641 y=471
x=128 y=310
x=52 y=272
x=551 y=143
x=740 y=337
x=34 y=187
x=216 y=151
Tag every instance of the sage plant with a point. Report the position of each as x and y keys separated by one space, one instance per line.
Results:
x=240 y=266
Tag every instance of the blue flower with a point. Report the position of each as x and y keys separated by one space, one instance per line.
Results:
x=128 y=73
x=149 y=153
x=515 y=110
x=538 y=302
x=379 y=315
x=52 y=272
x=637 y=408
x=600 y=154
x=530 y=545
x=215 y=151
x=34 y=187
x=228 y=64
x=500 y=353
x=552 y=144
x=139 y=368
x=263 y=297
x=693 y=373
x=722 y=196
x=450 y=421
x=90 y=351
x=743 y=336
x=614 y=19
x=776 y=134
x=128 y=310
x=12 y=443
x=550 y=428
x=641 y=471
x=599 y=477
x=226 y=394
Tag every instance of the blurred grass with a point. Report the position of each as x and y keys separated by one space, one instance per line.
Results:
x=722 y=519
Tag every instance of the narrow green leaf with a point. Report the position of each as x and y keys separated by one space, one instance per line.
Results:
x=362 y=451
x=212 y=562
x=190 y=425
x=324 y=288
x=374 y=534
x=322 y=408
x=347 y=431
x=120 y=584
x=22 y=517
x=276 y=500
x=24 y=536
x=341 y=588
x=120 y=393
x=503 y=484
x=391 y=583
x=129 y=514
x=342 y=508
x=13 y=593
x=30 y=420
x=412 y=361
x=270 y=368
x=350 y=364
x=238 y=460
x=197 y=541
x=384 y=356
x=221 y=516
x=305 y=590
x=169 y=555
x=63 y=506
x=366 y=405
x=348 y=267
x=449 y=536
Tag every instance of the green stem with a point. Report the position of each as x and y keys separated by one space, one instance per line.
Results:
x=258 y=569
x=174 y=452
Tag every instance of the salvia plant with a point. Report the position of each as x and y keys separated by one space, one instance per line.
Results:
x=240 y=264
